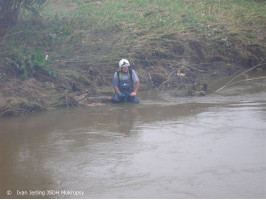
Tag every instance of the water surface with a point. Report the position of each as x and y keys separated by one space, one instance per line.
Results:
x=166 y=147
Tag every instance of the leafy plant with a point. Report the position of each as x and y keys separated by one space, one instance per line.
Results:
x=26 y=63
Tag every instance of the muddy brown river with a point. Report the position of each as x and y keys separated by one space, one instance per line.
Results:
x=165 y=147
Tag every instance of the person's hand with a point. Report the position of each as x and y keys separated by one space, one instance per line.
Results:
x=121 y=95
x=133 y=94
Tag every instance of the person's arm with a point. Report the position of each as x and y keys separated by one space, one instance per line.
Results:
x=136 y=88
x=117 y=91
x=136 y=83
x=115 y=84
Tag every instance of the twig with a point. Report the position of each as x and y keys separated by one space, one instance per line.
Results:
x=250 y=79
x=167 y=78
x=228 y=83
x=2 y=38
x=198 y=70
x=75 y=61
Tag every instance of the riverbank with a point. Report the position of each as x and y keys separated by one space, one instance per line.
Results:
x=185 y=45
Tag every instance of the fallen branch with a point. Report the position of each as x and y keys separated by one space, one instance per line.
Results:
x=167 y=78
x=75 y=61
x=198 y=70
x=4 y=37
x=228 y=83
x=249 y=79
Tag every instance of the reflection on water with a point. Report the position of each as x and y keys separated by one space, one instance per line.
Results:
x=208 y=147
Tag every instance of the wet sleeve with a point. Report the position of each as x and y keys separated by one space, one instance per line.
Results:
x=135 y=77
x=115 y=81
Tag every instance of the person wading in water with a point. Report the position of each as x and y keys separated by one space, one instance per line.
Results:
x=125 y=83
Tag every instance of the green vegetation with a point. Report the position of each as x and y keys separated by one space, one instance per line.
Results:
x=85 y=39
x=27 y=62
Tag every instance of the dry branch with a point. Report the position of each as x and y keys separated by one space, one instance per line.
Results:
x=229 y=83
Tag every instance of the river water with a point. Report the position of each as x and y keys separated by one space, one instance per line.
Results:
x=165 y=147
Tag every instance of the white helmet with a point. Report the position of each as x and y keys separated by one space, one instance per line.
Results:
x=123 y=63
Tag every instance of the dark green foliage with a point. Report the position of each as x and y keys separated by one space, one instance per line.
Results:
x=27 y=62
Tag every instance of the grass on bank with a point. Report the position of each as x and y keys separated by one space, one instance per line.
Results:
x=84 y=40
x=98 y=33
